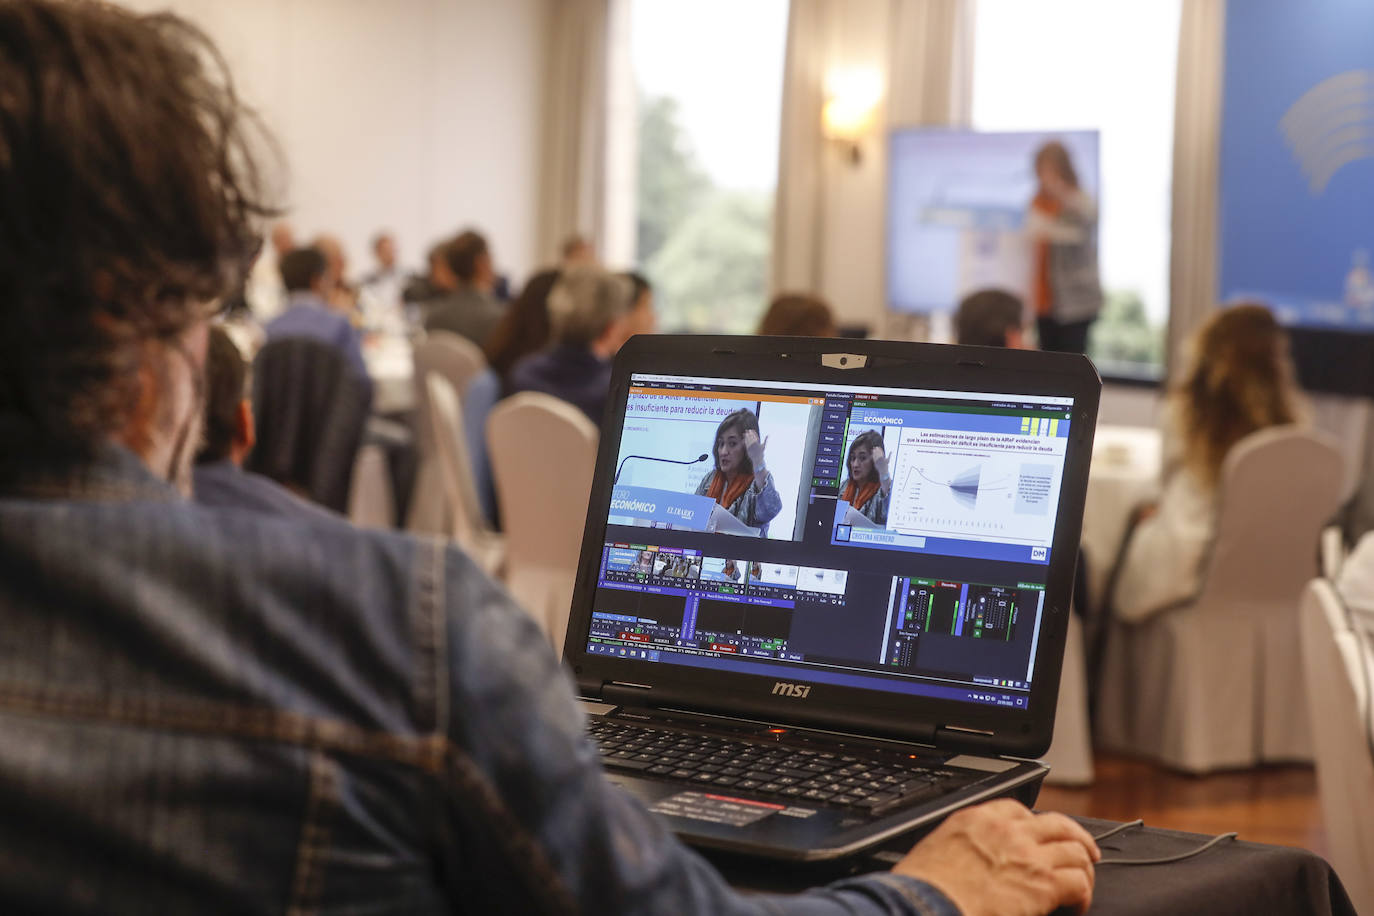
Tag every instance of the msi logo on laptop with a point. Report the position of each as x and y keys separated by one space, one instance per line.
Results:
x=800 y=691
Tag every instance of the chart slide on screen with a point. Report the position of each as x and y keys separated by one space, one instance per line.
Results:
x=977 y=486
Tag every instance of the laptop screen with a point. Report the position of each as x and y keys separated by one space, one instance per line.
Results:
x=881 y=538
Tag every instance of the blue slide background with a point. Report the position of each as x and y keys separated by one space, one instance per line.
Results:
x=1280 y=242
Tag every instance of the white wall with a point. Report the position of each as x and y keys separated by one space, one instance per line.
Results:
x=419 y=116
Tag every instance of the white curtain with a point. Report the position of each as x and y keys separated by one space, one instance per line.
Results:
x=926 y=68
x=573 y=158
x=1197 y=145
x=930 y=67
x=797 y=210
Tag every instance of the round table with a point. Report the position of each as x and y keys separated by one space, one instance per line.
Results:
x=390 y=363
x=1125 y=472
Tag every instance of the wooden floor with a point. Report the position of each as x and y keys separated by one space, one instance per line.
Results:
x=1268 y=805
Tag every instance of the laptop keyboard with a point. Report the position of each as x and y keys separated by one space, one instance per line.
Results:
x=871 y=783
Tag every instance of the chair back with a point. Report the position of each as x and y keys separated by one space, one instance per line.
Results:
x=1279 y=487
x=311 y=409
x=455 y=465
x=455 y=358
x=543 y=454
x=1334 y=655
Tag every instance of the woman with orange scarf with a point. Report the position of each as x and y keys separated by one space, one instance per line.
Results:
x=869 y=485
x=740 y=481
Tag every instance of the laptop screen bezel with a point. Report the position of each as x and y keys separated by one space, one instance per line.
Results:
x=957 y=725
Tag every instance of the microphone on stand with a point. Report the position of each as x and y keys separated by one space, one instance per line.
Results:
x=697 y=460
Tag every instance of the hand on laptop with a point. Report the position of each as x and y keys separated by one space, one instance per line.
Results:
x=1001 y=859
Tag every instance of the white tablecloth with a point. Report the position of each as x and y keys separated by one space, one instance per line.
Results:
x=390 y=363
x=1125 y=472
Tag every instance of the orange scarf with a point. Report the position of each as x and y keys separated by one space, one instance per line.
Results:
x=1041 y=293
x=728 y=497
x=865 y=493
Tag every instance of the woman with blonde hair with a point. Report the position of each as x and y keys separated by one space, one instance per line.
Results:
x=1239 y=379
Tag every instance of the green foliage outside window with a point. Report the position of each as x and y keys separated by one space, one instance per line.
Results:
x=705 y=248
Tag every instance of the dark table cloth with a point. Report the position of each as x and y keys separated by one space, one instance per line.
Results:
x=1230 y=878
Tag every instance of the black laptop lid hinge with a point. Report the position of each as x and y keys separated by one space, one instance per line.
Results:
x=626 y=693
x=959 y=738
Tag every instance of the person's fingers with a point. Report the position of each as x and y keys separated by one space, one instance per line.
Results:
x=1002 y=808
x=1068 y=854
x=1073 y=888
x=1053 y=826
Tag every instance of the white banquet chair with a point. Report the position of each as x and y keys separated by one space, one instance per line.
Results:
x=1338 y=660
x=458 y=360
x=468 y=525
x=544 y=455
x=1217 y=683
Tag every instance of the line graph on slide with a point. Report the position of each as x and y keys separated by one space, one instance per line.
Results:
x=964 y=494
x=965 y=486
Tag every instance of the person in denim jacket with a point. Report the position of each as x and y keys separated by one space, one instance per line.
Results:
x=210 y=710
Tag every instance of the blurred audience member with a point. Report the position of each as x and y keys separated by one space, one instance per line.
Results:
x=264 y=292
x=643 y=318
x=1066 y=290
x=379 y=293
x=468 y=308
x=991 y=318
x=798 y=315
x=437 y=279
x=306 y=273
x=338 y=292
x=577 y=251
x=1238 y=380
x=593 y=313
x=524 y=329
x=218 y=478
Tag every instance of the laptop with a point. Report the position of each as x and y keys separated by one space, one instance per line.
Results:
x=865 y=635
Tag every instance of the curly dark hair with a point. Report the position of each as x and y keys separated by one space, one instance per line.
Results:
x=129 y=198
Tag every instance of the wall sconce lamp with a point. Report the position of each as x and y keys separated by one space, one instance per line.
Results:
x=851 y=106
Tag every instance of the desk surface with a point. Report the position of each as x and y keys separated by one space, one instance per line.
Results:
x=1232 y=877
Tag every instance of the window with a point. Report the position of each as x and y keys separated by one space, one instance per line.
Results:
x=709 y=81
x=1064 y=64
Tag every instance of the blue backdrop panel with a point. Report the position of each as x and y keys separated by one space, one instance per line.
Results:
x=1297 y=160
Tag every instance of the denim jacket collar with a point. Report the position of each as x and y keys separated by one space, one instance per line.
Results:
x=115 y=474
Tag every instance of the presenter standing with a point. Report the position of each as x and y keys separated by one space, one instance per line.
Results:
x=1062 y=224
x=869 y=487
x=740 y=481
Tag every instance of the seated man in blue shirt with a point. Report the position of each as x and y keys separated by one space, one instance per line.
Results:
x=305 y=271
x=212 y=710
x=219 y=478
x=593 y=313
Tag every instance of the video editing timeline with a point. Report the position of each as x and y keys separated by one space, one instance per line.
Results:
x=678 y=606
x=727 y=607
